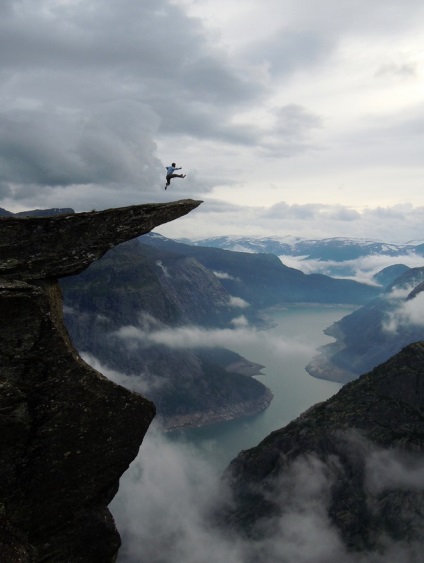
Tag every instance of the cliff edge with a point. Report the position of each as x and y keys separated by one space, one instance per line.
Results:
x=66 y=432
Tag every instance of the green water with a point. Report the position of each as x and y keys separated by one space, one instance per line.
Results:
x=284 y=350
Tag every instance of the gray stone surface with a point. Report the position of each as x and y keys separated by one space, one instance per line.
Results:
x=66 y=432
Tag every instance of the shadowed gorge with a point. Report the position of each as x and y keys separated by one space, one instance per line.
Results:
x=67 y=433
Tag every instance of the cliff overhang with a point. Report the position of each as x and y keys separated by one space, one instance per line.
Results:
x=67 y=432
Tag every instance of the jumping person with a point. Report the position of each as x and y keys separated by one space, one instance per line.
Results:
x=170 y=174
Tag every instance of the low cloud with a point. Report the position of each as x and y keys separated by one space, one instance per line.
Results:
x=409 y=313
x=391 y=469
x=165 y=499
x=240 y=322
x=224 y=276
x=138 y=383
x=162 y=506
x=163 y=268
x=238 y=302
x=151 y=333
x=360 y=269
x=187 y=337
x=398 y=223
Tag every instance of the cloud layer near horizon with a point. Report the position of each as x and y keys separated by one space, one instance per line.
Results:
x=97 y=96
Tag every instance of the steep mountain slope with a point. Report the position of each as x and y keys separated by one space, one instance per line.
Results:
x=373 y=333
x=390 y=274
x=125 y=312
x=263 y=281
x=351 y=462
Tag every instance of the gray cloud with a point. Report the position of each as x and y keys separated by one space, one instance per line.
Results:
x=185 y=337
x=51 y=148
x=165 y=499
x=406 y=314
x=288 y=49
x=91 y=92
x=360 y=269
x=403 y=70
x=224 y=276
x=238 y=302
x=357 y=18
x=87 y=87
x=391 y=469
x=397 y=223
x=139 y=383
x=162 y=507
x=152 y=333
x=311 y=35
x=291 y=131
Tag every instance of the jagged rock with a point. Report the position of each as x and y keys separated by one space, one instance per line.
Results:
x=66 y=432
x=34 y=248
x=377 y=417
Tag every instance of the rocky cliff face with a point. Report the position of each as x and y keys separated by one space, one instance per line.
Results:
x=66 y=432
x=363 y=449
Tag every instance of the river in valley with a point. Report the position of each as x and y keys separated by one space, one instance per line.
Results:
x=284 y=350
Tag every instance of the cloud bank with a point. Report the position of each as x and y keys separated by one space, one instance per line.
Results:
x=166 y=498
x=360 y=269
x=407 y=313
x=152 y=333
x=399 y=223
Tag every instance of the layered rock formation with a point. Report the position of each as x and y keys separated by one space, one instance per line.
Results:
x=67 y=433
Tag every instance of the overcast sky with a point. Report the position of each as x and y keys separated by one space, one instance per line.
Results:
x=289 y=117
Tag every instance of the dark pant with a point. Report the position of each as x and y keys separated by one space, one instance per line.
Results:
x=169 y=176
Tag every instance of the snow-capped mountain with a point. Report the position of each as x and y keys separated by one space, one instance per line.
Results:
x=339 y=249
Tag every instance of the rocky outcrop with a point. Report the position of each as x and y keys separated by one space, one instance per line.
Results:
x=366 y=443
x=35 y=248
x=67 y=433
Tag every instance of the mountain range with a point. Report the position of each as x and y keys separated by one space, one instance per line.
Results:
x=136 y=291
x=373 y=333
x=376 y=330
x=345 y=477
x=262 y=280
x=127 y=311
x=337 y=257
x=339 y=249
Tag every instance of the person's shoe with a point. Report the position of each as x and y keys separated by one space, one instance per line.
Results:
x=184 y=175
x=166 y=187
